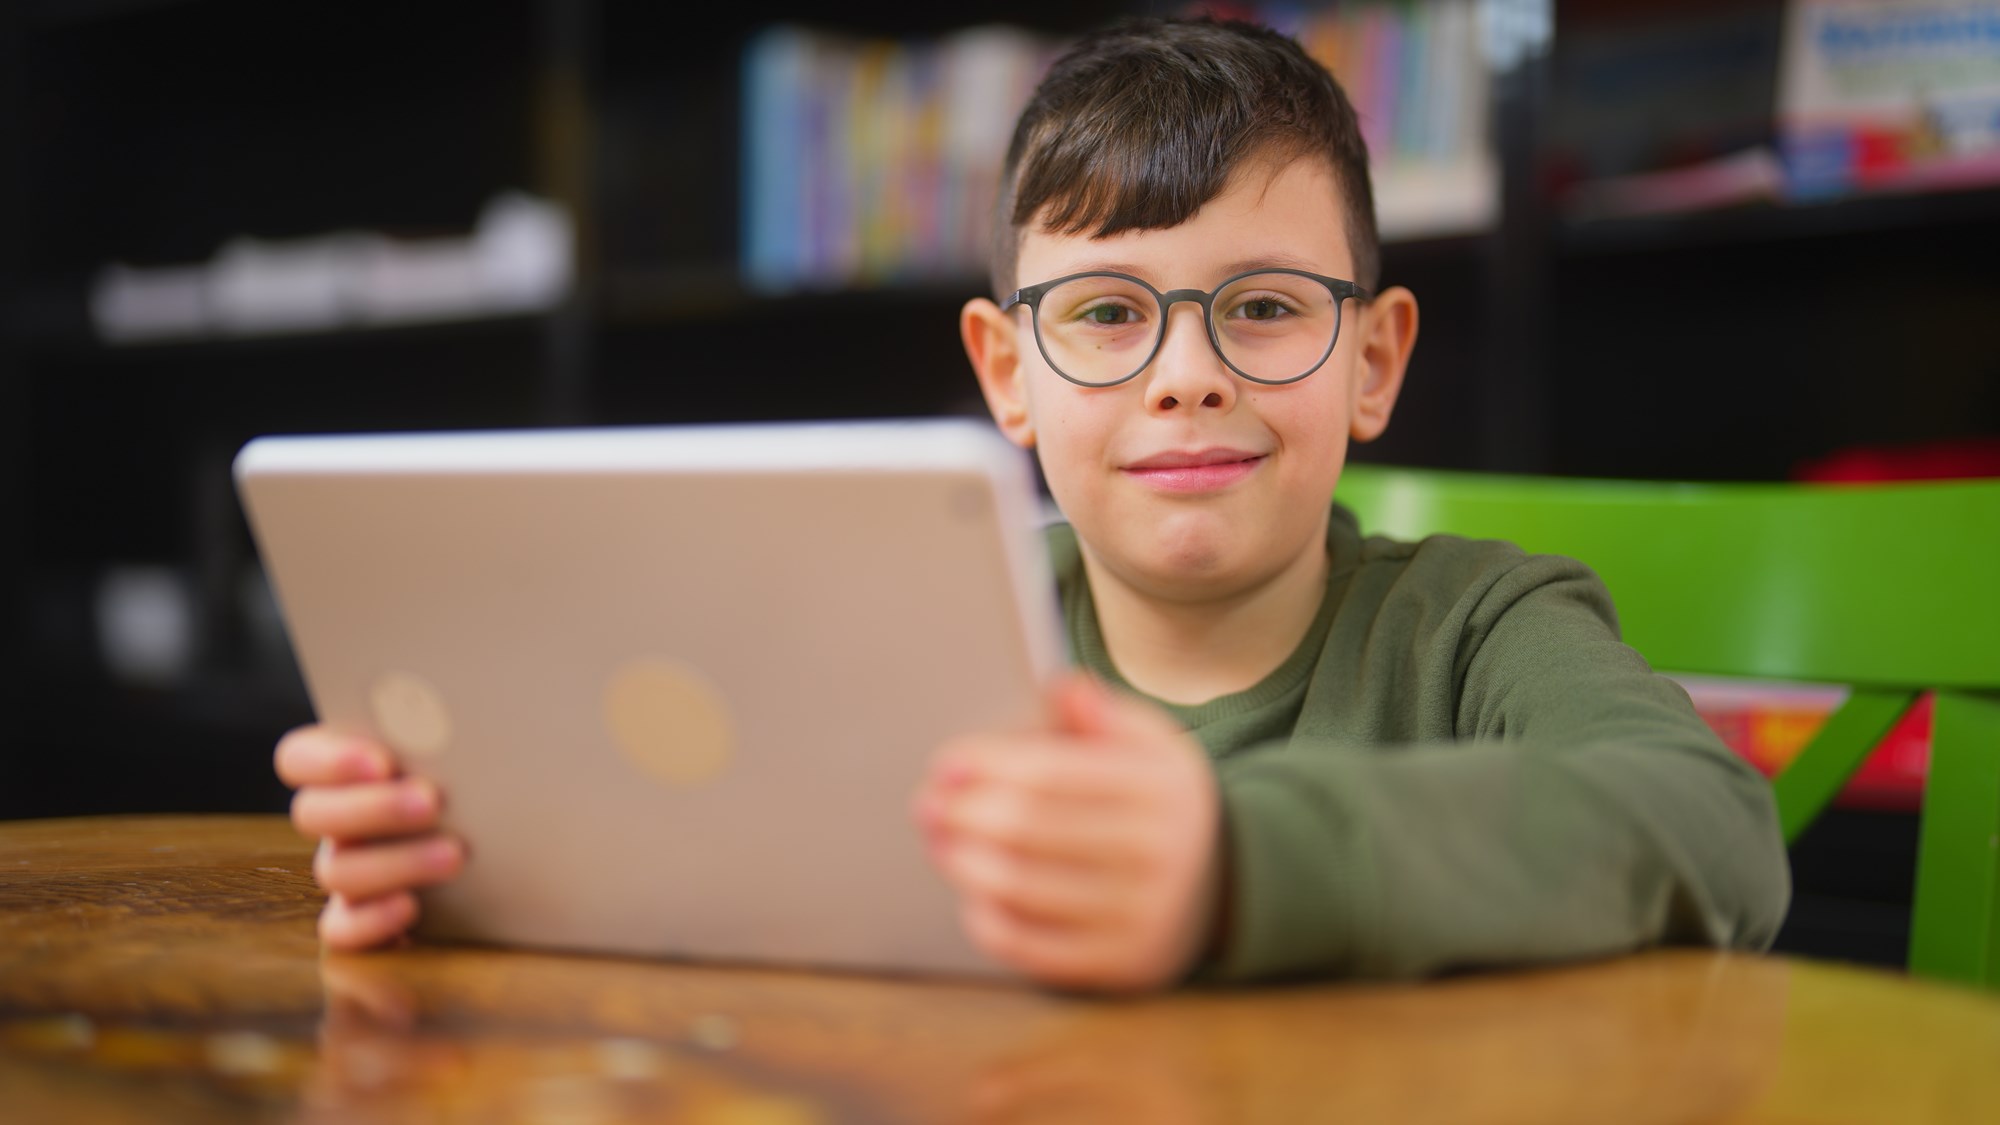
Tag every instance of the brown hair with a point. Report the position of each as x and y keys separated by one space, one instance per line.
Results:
x=1139 y=125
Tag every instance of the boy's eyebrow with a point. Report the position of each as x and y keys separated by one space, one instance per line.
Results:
x=1245 y=265
x=1271 y=261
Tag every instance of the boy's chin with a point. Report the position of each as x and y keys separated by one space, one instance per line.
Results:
x=1201 y=556
x=1190 y=569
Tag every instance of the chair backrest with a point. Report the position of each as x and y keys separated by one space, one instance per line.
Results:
x=1867 y=585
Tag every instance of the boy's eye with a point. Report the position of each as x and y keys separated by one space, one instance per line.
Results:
x=1109 y=314
x=1262 y=308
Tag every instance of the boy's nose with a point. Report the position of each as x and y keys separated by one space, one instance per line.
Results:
x=1187 y=372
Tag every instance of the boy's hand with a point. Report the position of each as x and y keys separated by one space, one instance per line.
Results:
x=1085 y=855
x=378 y=834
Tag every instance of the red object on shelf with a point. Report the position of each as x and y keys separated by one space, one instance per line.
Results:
x=1944 y=460
x=1768 y=733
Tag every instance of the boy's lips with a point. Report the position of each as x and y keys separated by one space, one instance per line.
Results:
x=1202 y=470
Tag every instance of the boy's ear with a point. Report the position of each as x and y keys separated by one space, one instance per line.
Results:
x=994 y=349
x=1389 y=332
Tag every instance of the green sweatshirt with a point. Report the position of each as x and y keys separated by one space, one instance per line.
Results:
x=1462 y=766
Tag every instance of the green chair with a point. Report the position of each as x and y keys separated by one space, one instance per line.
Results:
x=1892 y=590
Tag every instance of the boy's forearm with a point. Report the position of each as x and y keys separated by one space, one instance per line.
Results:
x=1406 y=862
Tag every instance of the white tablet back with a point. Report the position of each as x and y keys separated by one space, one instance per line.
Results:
x=677 y=684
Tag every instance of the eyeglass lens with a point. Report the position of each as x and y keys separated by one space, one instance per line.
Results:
x=1274 y=327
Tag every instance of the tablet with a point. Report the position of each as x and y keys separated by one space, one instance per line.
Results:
x=677 y=684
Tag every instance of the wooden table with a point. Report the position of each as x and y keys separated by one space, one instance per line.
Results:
x=166 y=969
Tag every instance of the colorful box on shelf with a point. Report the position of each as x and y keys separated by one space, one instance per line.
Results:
x=1769 y=724
x=1890 y=95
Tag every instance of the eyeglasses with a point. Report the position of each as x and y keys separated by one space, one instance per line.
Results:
x=1099 y=329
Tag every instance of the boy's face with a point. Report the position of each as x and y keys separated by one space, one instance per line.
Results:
x=1224 y=530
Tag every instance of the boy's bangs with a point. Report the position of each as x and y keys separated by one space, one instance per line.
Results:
x=1080 y=181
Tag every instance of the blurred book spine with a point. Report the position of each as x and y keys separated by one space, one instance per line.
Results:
x=871 y=161
x=1420 y=85
x=1889 y=95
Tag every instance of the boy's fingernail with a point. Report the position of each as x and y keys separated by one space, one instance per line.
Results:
x=932 y=811
x=440 y=853
x=363 y=763
x=419 y=800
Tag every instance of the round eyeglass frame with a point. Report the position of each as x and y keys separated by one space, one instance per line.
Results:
x=1031 y=296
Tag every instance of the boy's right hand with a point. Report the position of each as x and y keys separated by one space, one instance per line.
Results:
x=378 y=834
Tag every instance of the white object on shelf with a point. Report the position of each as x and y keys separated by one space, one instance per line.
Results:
x=257 y=287
x=1512 y=31
x=399 y=282
x=1754 y=175
x=519 y=259
x=1431 y=199
x=145 y=624
x=527 y=253
x=135 y=306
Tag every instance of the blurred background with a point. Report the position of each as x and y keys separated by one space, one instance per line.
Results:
x=1743 y=241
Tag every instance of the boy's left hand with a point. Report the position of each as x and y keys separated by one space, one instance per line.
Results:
x=1085 y=853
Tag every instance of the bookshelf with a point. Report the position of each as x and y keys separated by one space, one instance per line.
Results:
x=1722 y=342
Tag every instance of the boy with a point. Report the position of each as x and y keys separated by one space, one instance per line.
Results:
x=1318 y=754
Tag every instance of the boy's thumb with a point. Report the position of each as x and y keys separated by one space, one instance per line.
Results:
x=1086 y=707
x=1077 y=703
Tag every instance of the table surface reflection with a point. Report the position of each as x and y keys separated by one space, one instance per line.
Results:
x=165 y=968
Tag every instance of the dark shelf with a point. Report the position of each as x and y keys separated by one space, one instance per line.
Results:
x=1853 y=877
x=1782 y=223
x=95 y=746
x=635 y=28
x=632 y=298
x=42 y=332
x=1438 y=247
x=1845 y=929
x=157 y=136
x=60 y=12
x=97 y=705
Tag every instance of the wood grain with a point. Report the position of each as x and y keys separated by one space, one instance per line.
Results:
x=165 y=969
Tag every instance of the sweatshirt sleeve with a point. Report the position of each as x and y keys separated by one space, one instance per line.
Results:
x=1583 y=809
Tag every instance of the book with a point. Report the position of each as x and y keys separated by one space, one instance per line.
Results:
x=876 y=161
